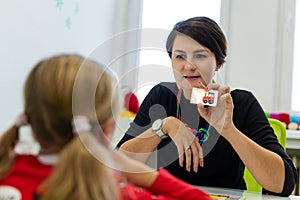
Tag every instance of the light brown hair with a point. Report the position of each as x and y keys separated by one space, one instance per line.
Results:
x=49 y=107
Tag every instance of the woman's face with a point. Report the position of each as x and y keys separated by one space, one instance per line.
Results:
x=193 y=64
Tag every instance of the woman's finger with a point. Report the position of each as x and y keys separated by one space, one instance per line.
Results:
x=195 y=155
x=213 y=86
x=201 y=158
x=224 y=90
x=188 y=158
x=180 y=154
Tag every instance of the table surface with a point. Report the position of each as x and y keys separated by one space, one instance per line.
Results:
x=234 y=194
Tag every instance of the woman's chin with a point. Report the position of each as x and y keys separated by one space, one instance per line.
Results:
x=190 y=86
x=187 y=87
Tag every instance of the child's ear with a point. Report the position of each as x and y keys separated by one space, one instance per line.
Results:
x=108 y=127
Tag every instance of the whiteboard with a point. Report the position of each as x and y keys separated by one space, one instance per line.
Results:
x=33 y=29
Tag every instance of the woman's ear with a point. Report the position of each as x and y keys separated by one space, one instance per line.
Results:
x=108 y=127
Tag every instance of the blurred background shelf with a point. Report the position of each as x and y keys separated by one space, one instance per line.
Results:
x=293 y=140
x=293 y=149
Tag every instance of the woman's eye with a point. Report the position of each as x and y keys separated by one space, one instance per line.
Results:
x=180 y=56
x=200 y=56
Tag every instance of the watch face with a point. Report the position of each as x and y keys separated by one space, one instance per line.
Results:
x=156 y=124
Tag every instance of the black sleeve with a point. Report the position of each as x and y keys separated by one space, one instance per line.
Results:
x=157 y=104
x=254 y=123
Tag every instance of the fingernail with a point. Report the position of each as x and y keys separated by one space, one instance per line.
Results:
x=188 y=169
x=196 y=169
x=201 y=163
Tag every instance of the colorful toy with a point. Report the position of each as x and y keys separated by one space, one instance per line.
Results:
x=290 y=121
x=293 y=126
x=205 y=97
x=131 y=102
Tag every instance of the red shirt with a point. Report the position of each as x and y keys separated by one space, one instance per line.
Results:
x=28 y=172
x=165 y=187
x=26 y=175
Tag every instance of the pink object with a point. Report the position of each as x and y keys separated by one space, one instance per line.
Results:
x=274 y=116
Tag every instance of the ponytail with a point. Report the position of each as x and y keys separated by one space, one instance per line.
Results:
x=79 y=174
x=8 y=141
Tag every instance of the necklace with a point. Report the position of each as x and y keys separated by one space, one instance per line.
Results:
x=203 y=133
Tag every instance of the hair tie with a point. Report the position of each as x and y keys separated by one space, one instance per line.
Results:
x=80 y=124
x=21 y=120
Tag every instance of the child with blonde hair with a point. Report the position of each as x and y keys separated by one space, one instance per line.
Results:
x=69 y=102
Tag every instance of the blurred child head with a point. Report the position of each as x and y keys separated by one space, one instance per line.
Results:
x=58 y=89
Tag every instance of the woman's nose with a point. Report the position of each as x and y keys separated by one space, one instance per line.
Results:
x=189 y=65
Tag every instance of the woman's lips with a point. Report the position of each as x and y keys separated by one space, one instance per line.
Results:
x=191 y=77
x=195 y=78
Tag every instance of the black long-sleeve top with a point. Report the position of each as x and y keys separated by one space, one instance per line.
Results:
x=222 y=165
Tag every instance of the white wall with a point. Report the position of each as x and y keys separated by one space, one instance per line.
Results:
x=260 y=38
x=34 y=29
x=259 y=33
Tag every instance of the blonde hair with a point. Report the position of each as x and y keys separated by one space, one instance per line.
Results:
x=83 y=177
x=49 y=107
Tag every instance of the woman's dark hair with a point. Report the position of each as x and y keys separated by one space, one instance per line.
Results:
x=205 y=31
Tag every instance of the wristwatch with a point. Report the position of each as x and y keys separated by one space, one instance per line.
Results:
x=157 y=128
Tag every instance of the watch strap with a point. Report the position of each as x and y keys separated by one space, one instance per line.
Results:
x=161 y=134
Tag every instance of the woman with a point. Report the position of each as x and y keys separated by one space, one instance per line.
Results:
x=69 y=104
x=229 y=136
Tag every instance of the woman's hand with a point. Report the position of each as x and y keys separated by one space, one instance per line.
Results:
x=187 y=145
x=219 y=116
